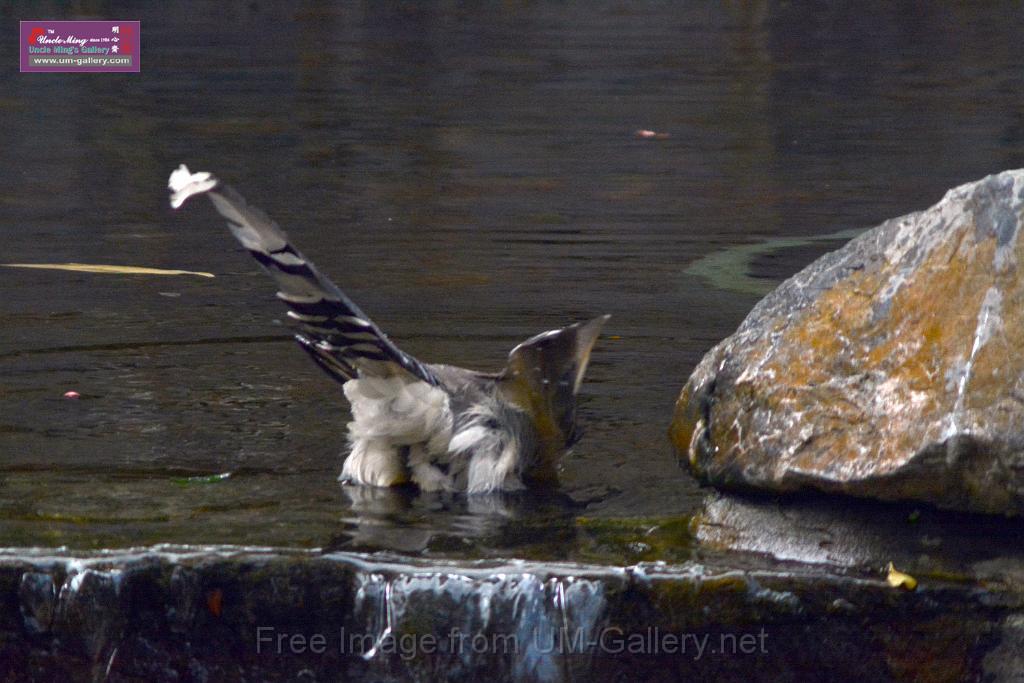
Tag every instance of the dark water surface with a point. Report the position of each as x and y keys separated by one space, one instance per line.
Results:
x=469 y=174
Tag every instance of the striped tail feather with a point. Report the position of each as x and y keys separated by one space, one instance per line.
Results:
x=336 y=334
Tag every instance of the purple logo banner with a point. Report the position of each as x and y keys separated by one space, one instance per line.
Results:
x=80 y=46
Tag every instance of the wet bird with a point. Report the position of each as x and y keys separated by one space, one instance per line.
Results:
x=440 y=427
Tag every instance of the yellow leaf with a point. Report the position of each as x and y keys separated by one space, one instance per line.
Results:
x=99 y=268
x=898 y=579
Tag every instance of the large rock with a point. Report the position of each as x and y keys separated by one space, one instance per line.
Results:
x=892 y=368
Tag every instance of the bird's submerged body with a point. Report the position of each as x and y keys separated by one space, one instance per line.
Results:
x=455 y=436
x=439 y=427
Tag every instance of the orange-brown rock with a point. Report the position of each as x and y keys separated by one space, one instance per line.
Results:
x=892 y=368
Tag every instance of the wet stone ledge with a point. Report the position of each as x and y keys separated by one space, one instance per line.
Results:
x=173 y=614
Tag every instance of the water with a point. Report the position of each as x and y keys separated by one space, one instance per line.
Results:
x=470 y=176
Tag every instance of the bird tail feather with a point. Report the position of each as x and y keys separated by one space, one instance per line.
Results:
x=342 y=339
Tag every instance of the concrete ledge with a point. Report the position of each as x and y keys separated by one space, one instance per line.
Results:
x=232 y=614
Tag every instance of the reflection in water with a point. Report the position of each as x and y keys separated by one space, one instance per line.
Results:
x=730 y=269
x=406 y=520
x=863 y=535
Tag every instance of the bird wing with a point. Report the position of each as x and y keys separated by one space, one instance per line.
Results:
x=342 y=339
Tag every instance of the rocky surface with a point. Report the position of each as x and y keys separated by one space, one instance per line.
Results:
x=890 y=368
x=232 y=615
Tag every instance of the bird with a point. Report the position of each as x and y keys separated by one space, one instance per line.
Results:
x=438 y=427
